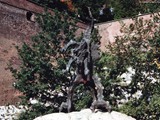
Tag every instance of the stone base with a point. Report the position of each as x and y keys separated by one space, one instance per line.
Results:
x=86 y=114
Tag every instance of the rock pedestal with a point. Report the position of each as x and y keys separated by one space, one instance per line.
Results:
x=86 y=114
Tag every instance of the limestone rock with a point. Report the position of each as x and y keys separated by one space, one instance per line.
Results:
x=10 y=112
x=86 y=114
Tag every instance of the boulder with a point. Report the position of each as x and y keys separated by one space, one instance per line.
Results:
x=11 y=112
x=86 y=114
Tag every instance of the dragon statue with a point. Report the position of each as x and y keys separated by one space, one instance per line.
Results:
x=83 y=54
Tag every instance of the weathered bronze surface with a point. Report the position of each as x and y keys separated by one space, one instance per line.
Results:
x=83 y=54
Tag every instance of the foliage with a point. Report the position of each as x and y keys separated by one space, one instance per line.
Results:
x=79 y=8
x=51 y=4
x=40 y=75
x=151 y=7
x=132 y=8
x=123 y=8
x=112 y=9
x=96 y=6
x=137 y=50
x=36 y=111
x=142 y=109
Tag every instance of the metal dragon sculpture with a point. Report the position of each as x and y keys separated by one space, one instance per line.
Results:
x=83 y=55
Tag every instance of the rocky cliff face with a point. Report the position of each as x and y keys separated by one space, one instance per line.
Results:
x=86 y=114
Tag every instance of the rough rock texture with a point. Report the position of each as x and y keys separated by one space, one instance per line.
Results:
x=86 y=114
x=10 y=112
